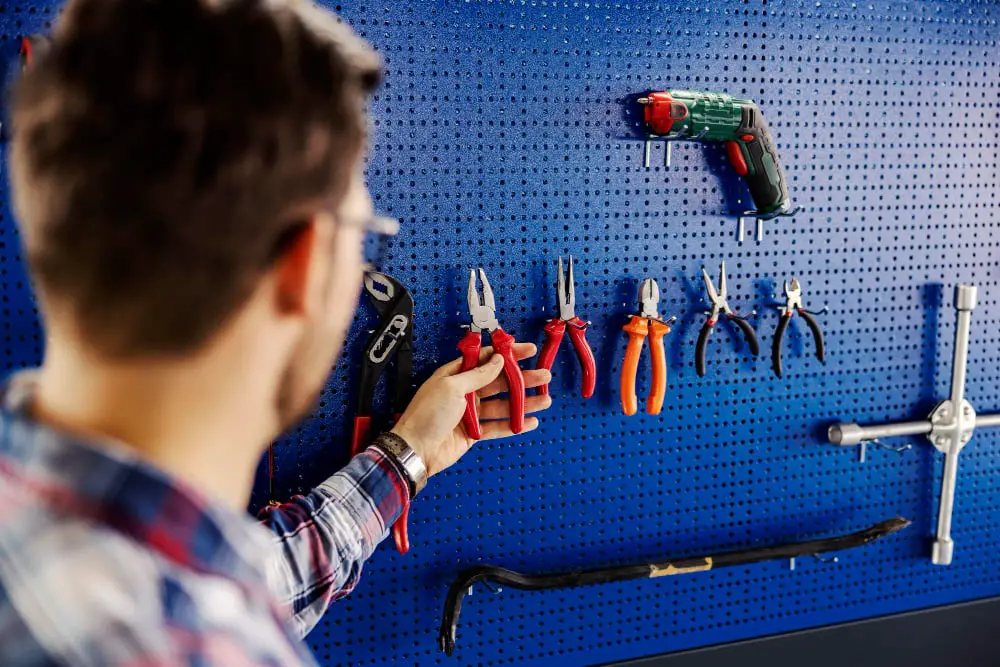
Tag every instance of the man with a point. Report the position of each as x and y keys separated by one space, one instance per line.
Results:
x=187 y=180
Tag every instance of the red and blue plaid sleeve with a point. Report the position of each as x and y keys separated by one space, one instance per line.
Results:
x=323 y=539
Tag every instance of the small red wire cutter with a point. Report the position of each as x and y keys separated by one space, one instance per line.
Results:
x=483 y=309
x=555 y=330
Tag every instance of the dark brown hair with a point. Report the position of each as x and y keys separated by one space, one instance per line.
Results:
x=163 y=148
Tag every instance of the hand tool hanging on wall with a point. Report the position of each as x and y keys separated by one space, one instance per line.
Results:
x=483 y=309
x=720 y=306
x=525 y=582
x=647 y=324
x=33 y=47
x=793 y=305
x=689 y=115
x=392 y=339
x=950 y=426
x=556 y=329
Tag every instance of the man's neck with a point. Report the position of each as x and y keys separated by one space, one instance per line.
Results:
x=187 y=418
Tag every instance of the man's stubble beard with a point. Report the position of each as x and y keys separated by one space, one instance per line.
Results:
x=308 y=369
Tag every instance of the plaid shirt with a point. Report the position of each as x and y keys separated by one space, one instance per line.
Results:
x=105 y=560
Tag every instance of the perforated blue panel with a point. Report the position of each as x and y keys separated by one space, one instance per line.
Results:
x=503 y=139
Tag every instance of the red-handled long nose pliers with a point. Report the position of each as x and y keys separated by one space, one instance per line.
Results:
x=555 y=330
x=483 y=309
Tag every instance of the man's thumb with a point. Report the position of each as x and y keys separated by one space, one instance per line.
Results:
x=478 y=378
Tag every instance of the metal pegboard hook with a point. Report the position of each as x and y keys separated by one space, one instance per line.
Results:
x=496 y=590
x=830 y=561
x=863 y=452
x=825 y=310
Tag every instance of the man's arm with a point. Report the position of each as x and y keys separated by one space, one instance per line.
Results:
x=322 y=540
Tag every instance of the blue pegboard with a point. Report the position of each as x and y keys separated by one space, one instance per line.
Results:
x=502 y=139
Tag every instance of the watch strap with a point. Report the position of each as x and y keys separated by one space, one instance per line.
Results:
x=406 y=459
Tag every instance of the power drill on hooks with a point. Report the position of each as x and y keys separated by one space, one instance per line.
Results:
x=688 y=115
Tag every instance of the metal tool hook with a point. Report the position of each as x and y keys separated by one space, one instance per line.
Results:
x=764 y=217
x=881 y=445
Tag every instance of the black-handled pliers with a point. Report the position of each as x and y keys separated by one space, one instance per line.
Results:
x=720 y=306
x=793 y=295
x=392 y=339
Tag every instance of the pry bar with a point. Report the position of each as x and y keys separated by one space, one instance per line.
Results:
x=606 y=575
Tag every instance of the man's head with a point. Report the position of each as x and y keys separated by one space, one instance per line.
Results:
x=183 y=165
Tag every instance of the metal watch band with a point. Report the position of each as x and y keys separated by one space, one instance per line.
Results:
x=408 y=460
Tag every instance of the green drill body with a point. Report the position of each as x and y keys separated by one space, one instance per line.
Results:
x=718 y=115
x=739 y=124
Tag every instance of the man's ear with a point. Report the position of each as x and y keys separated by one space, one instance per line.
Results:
x=298 y=271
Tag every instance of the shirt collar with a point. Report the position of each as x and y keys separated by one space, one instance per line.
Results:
x=107 y=482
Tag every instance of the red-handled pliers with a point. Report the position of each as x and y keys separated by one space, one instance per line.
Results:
x=483 y=309
x=555 y=330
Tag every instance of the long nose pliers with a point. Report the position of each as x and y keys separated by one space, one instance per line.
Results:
x=392 y=338
x=555 y=330
x=647 y=324
x=483 y=309
x=720 y=306
x=793 y=305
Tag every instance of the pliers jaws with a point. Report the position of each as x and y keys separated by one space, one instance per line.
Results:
x=793 y=296
x=647 y=324
x=555 y=330
x=649 y=299
x=720 y=306
x=793 y=305
x=482 y=307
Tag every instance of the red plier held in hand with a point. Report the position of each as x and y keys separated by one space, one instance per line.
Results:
x=483 y=309
x=555 y=330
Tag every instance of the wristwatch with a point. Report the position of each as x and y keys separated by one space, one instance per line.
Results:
x=408 y=461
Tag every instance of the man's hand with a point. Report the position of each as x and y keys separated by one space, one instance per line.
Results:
x=432 y=425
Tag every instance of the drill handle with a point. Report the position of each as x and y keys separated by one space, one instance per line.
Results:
x=755 y=157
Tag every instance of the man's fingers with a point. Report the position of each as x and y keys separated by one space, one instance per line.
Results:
x=521 y=351
x=477 y=378
x=525 y=350
x=501 y=429
x=501 y=409
x=449 y=369
x=532 y=379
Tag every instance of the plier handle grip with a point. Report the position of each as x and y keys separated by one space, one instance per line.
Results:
x=793 y=305
x=482 y=308
x=556 y=329
x=392 y=339
x=647 y=324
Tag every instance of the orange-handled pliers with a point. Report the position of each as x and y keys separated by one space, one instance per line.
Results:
x=483 y=309
x=647 y=324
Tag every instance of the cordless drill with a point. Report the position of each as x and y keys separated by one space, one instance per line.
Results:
x=680 y=115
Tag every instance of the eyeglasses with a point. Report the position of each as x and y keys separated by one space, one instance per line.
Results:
x=378 y=230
